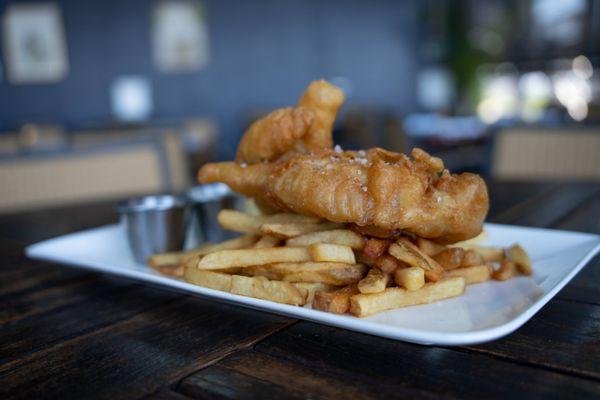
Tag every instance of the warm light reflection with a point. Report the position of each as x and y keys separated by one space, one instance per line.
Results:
x=573 y=92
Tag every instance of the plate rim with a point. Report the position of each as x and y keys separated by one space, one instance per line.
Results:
x=419 y=336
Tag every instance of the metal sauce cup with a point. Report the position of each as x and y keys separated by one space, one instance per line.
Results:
x=154 y=224
x=206 y=202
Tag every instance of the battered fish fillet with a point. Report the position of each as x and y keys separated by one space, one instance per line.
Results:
x=374 y=188
x=306 y=128
x=285 y=162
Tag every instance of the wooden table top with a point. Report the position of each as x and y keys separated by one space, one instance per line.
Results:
x=68 y=333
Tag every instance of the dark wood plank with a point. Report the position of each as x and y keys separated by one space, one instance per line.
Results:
x=32 y=226
x=507 y=195
x=166 y=394
x=563 y=336
x=51 y=328
x=584 y=287
x=30 y=276
x=585 y=218
x=252 y=374
x=133 y=356
x=349 y=358
x=45 y=298
x=548 y=207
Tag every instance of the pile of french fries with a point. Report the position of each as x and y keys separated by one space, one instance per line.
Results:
x=298 y=260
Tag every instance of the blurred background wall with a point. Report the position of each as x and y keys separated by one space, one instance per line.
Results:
x=262 y=55
x=106 y=99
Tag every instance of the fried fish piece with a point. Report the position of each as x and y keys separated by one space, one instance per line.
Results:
x=306 y=128
x=373 y=188
x=377 y=190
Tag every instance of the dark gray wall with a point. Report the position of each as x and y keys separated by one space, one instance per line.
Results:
x=263 y=53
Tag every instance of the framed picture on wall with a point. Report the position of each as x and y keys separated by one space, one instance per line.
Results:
x=35 y=49
x=179 y=36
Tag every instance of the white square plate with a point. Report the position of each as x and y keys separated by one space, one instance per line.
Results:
x=485 y=312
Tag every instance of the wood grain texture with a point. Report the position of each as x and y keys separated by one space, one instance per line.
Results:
x=255 y=374
x=75 y=334
x=139 y=353
x=378 y=363
x=570 y=343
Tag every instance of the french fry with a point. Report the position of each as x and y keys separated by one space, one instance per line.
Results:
x=247 y=257
x=508 y=269
x=165 y=259
x=338 y=274
x=362 y=305
x=332 y=253
x=375 y=281
x=375 y=248
x=518 y=255
x=337 y=302
x=450 y=258
x=474 y=274
x=241 y=222
x=266 y=241
x=472 y=258
x=411 y=278
x=209 y=279
x=473 y=241
x=174 y=270
x=388 y=264
x=289 y=230
x=407 y=252
x=344 y=237
x=178 y=257
x=312 y=288
x=489 y=254
x=429 y=247
x=263 y=288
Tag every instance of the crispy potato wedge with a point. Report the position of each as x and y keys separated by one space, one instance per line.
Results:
x=289 y=230
x=209 y=279
x=363 y=305
x=312 y=288
x=474 y=274
x=241 y=222
x=450 y=258
x=389 y=264
x=407 y=252
x=508 y=269
x=314 y=272
x=267 y=241
x=331 y=253
x=247 y=257
x=344 y=237
x=376 y=281
x=429 y=247
x=519 y=256
x=262 y=288
x=411 y=278
x=337 y=302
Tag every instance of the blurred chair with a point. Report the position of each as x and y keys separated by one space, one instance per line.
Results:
x=521 y=153
x=91 y=174
x=36 y=138
x=9 y=143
